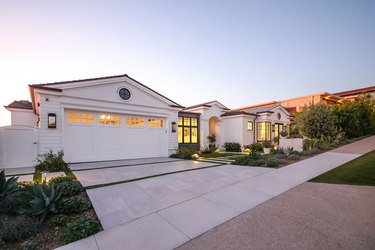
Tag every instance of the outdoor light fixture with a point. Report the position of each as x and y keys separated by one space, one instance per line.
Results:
x=174 y=127
x=51 y=120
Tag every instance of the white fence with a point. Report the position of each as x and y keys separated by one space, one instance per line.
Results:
x=18 y=146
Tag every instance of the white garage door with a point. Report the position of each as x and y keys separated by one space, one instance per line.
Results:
x=90 y=136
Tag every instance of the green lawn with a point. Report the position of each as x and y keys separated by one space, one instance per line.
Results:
x=360 y=171
x=218 y=154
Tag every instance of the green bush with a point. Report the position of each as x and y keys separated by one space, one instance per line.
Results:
x=59 y=219
x=207 y=150
x=20 y=228
x=42 y=200
x=292 y=157
x=232 y=147
x=10 y=205
x=280 y=156
x=272 y=162
x=73 y=205
x=287 y=151
x=254 y=155
x=67 y=185
x=315 y=151
x=246 y=161
x=184 y=153
x=356 y=118
x=255 y=147
x=51 y=162
x=317 y=121
x=267 y=144
x=305 y=153
x=7 y=187
x=79 y=229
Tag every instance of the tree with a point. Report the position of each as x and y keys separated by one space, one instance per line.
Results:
x=356 y=118
x=316 y=121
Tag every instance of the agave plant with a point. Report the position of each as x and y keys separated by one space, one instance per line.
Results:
x=44 y=200
x=7 y=187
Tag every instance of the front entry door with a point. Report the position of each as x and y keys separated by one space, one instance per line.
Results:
x=278 y=128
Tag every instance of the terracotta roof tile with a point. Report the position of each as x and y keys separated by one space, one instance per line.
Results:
x=355 y=91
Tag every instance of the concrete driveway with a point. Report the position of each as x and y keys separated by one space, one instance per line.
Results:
x=121 y=203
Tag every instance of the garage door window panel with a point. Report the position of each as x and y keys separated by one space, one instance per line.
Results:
x=134 y=121
x=155 y=123
x=107 y=119
x=83 y=118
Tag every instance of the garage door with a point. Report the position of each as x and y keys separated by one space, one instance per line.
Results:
x=90 y=136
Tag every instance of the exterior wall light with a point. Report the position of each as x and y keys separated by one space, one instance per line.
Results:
x=174 y=127
x=51 y=120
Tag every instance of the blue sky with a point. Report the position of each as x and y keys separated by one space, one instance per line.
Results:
x=238 y=52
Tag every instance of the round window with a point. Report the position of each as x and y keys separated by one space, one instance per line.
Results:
x=124 y=93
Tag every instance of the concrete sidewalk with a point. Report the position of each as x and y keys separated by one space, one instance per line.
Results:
x=172 y=226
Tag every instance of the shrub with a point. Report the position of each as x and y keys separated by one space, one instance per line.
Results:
x=315 y=151
x=67 y=186
x=7 y=187
x=207 y=151
x=10 y=205
x=184 y=153
x=73 y=205
x=51 y=162
x=356 y=118
x=267 y=144
x=305 y=153
x=246 y=161
x=59 y=220
x=258 y=147
x=287 y=151
x=279 y=156
x=79 y=229
x=316 y=121
x=254 y=155
x=293 y=157
x=272 y=162
x=232 y=147
x=20 y=228
x=44 y=200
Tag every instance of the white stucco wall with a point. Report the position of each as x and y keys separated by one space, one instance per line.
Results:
x=235 y=129
x=23 y=117
x=97 y=99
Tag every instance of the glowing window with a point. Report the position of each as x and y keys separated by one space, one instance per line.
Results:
x=135 y=121
x=186 y=121
x=250 y=126
x=186 y=135
x=74 y=117
x=194 y=135
x=179 y=134
x=194 y=122
x=109 y=119
x=180 y=123
x=155 y=123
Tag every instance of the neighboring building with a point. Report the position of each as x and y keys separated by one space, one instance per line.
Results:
x=352 y=94
x=297 y=104
x=22 y=113
x=117 y=117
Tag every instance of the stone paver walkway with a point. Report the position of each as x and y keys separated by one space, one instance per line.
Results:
x=172 y=226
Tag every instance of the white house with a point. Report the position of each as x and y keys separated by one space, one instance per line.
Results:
x=117 y=117
x=245 y=125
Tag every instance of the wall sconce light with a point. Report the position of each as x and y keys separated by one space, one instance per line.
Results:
x=273 y=127
x=174 y=127
x=51 y=120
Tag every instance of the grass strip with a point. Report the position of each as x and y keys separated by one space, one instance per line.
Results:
x=360 y=171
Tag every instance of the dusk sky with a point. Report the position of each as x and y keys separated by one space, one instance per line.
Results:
x=237 y=52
